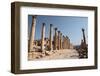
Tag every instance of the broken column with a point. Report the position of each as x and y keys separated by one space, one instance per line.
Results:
x=32 y=34
x=42 y=37
x=55 y=39
x=84 y=36
x=50 y=37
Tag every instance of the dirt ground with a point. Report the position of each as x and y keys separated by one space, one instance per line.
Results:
x=55 y=54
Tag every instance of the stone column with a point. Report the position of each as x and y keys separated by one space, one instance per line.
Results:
x=66 y=42
x=42 y=37
x=32 y=34
x=58 y=40
x=55 y=39
x=63 y=42
x=84 y=45
x=50 y=37
x=84 y=36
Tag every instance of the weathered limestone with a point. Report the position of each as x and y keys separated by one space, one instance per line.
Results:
x=63 y=42
x=55 y=39
x=84 y=48
x=68 y=42
x=84 y=36
x=42 y=37
x=84 y=40
x=32 y=34
x=58 y=40
x=50 y=36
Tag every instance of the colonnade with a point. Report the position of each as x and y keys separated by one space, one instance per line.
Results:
x=59 y=41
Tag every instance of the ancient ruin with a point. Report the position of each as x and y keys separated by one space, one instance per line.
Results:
x=55 y=46
x=83 y=47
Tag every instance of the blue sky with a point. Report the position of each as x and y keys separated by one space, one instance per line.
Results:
x=69 y=26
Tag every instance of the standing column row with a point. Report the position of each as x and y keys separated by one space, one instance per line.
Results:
x=66 y=43
x=58 y=43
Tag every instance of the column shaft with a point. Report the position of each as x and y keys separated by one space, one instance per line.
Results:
x=84 y=36
x=42 y=37
x=58 y=40
x=32 y=34
x=63 y=42
x=50 y=37
x=55 y=39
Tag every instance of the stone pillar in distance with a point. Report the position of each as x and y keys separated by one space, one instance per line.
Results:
x=58 y=40
x=50 y=37
x=55 y=39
